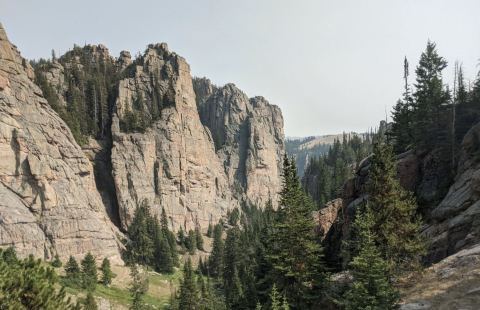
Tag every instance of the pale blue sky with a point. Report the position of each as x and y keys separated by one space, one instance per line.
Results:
x=330 y=65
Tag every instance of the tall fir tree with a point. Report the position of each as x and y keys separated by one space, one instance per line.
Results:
x=294 y=252
x=234 y=294
x=107 y=273
x=396 y=223
x=72 y=272
x=430 y=116
x=215 y=261
x=188 y=298
x=89 y=272
x=371 y=288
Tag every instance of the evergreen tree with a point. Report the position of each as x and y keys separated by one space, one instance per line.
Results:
x=170 y=237
x=181 y=236
x=188 y=298
x=430 y=120
x=396 y=224
x=57 y=262
x=215 y=261
x=275 y=298
x=140 y=247
x=371 y=288
x=89 y=272
x=234 y=294
x=210 y=230
x=191 y=242
x=402 y=116
x=138 y=287
x=295 y=255
x=199 y=238
x=90 y=303
x=72 y=272
x=163 y=258
x=107 y=273
x=27 y=284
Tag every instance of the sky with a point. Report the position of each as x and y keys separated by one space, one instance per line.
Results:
x=330 y=65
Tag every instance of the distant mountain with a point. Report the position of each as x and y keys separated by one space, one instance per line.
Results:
x=303 y=148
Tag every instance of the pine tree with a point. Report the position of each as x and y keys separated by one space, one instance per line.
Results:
x=140 y=247
x=163 y=258
x=215 y=261
x=402 y=116
x=89 y=272
x=90 y=303
x=188 y=298
x=107 y=273
x=27 y=284
x=275 y=298
x=210 y=230
x=181 y=236
x=396 y=224
x=170 y=237
x=234 y=294
x=57 y=262
x=294 y=252
x=430 y=125
x=72 y=272
x=191 y=242
x=371 y=288
x=199 y=238
x=138 y=287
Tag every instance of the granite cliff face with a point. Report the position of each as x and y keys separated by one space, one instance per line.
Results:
x=149 y=134
x=173 y=163
x=248 y=139
x=48 y=200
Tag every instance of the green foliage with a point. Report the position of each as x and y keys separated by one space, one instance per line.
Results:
x=199 y=238
x=234 y=294
x=371 y=288
x=27 y=284
x=56 y=262
x=89 y=303
x=107 y=273
x=294 y=252
x=396 y=223
x=89 y=272
x=191 y=242
x=72 y=273
x=151 y=243
x=215 y=262
x=88 y=95
x=326 y=174
x=188 y=298
x=233 y=216
x=138 y=288
x=210 y=230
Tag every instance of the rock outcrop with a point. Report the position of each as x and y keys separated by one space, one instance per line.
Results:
x=173 y=163
x=149 y=134
x=48 y=200
x=456 y=220
x=248 y=136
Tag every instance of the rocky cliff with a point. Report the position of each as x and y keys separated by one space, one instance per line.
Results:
x=149 y=133
x=450 y=209
x=48 y=200
x=248 y=138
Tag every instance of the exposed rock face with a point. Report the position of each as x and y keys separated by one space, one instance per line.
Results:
x=48 y=200
x=453 y=283
x=248 y=136
x=456 y=220
x=327 y=216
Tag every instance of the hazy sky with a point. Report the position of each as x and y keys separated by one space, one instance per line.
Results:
x=330 y=65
